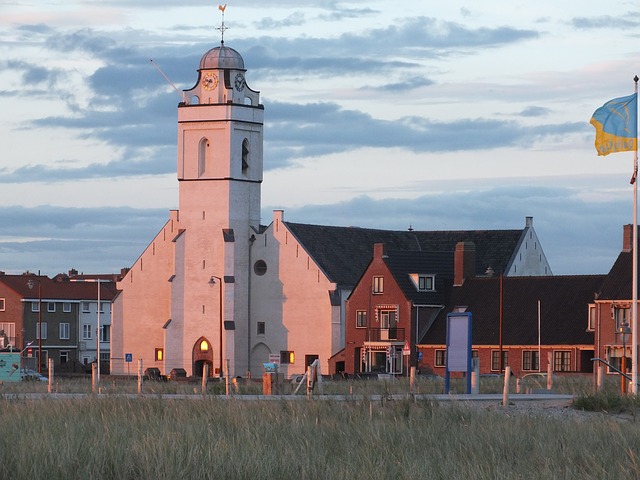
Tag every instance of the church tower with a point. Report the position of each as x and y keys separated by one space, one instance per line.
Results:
x=220 y=141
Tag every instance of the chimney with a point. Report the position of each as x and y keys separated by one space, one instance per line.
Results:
x=464 y=262
x=627 y=237
x=378 y=250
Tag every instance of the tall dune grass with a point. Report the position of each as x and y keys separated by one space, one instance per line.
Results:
x=158 y=438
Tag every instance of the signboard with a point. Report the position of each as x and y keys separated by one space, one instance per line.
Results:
x=458 y=346
x=406 y=350
x=128 y=357
x=274 y=358
x=10 y=367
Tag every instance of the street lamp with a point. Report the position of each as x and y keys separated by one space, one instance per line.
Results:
x=212 y=281
x=32 y=283
x=624 y=330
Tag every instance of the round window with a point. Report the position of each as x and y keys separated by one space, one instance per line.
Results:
x=260 y=267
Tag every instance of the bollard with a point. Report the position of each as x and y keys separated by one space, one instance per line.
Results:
x=505 y=391
x=412 y=380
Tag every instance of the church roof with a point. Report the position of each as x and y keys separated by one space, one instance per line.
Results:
x=343 y=253
x=222 y=57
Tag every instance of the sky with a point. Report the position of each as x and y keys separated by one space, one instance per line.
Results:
x=457 y=115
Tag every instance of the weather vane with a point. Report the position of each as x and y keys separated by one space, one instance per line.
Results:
x=222 y=27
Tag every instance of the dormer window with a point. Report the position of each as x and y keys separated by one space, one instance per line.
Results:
x=424 y=282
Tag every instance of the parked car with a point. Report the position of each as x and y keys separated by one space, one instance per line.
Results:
x=32 y=376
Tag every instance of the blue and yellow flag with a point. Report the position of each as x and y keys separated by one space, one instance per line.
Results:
x=616 y=125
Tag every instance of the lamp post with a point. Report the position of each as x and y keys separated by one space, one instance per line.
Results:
x=624 y=330
x=212 y=281
x=97 y=281
x=32 y=283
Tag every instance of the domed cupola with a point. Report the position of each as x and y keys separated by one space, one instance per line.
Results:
x=222 y=57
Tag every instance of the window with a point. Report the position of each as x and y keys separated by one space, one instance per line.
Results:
x=287 y=357
x=495 y=359
x=622 y=316
x=530 y=360
x=86 y=331
x=159 y=354
x=378 y=285
x=361 y=319
x=64 y=331
x=51 y=307
x=86 y=307
x=101 y=307
x=245 y=156
x=42 y=326
x=562 y=361
x=592 y=318
x=66 y=307
x=260 y=267
x=105 y=333
x=35 y=306
x=64 y=356
x=261 y=328
x=1 y=304
x=426 y=283
x=440 y=358
x=105 y=357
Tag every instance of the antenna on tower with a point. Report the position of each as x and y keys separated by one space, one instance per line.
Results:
x=182 y=96
x=222 y=27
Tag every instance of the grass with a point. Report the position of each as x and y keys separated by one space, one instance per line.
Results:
x=157 y=438
x=116 y=437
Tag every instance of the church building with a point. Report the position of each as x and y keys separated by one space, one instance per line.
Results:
x=216 y=288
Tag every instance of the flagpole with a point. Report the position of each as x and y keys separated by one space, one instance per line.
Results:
x=634 y=283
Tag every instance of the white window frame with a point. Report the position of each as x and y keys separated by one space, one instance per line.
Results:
x=86 y=307
x=534 y=361
x=35 y=306
x=377 y=286
x=361 y=319
x=44 y=330
x=66 y=307
x=2 y=304
x=426 y=283
x=105 y=333
x=87 y=330
x=440 y=357
x=51 y=307
x=65 y=330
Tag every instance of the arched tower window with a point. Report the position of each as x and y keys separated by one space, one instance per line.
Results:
x=203 y=151
x=245 y=156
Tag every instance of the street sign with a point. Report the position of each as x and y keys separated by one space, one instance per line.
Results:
x=406 y=350
x=128 y=357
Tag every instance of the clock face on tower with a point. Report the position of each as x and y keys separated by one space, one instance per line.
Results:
x=210 y=81
x=239 y=82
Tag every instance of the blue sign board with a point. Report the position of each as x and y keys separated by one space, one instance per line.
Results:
x=458 y=347
x=128 y=357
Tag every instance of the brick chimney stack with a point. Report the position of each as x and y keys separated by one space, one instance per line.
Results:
x=627 y=238
x=464 y=262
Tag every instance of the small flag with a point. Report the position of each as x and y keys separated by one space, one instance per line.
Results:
x=616 y=124
x=222 y=7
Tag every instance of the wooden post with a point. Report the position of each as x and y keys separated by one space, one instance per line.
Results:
x=412 y=380
x=549 y=371
x=50 y=387
x=94 y=382
x=505 y=391
x=226 y=376
x=205 y=378
x=140 y=377
x=600 y=376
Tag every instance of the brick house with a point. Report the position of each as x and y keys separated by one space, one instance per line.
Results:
x=610 y=312
x=539 y=316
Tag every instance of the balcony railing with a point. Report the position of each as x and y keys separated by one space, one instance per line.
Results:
x=385 y=335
